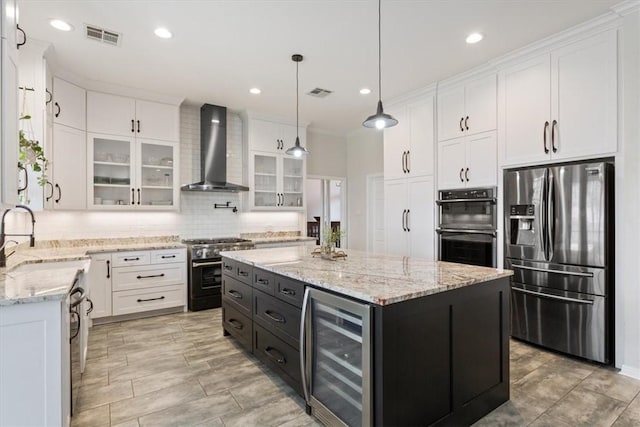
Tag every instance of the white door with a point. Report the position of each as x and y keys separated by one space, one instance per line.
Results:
x=293 y=173
x=375 y=212
x=9 y=123
x=525 y=108
x=584 y=97
x=482 y=162
x=396 y=144
x=395 y=208
x=69 y=104
x=156 y=175
x=420 y=159
x=155 y=120
x=265 y=136
x=420 y=217
x=69 y=165
x=265 y=187
x=99 y=282
x=111 y=114
x=451 y=113
x=451 y=164
x=481 y=105
x=111 y=172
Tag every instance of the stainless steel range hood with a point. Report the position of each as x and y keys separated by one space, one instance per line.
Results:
x=213 y=152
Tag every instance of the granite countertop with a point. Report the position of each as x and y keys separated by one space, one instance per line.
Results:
x=375 y=278
x=276 y=237
x=26 y=280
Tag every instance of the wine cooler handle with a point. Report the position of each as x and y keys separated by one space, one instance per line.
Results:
x=303 y=345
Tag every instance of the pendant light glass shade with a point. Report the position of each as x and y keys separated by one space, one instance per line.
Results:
x=380 y=119
x=297 y=150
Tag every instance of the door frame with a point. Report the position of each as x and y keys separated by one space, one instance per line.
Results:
x=370 y=207
x=344 y=220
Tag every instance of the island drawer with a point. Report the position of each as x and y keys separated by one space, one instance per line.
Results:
x=237 y=270
x=289 y=290
x=125 y=259
x=278 y=354
x=127 y=302
x=278 y=317
x=168 y=255
x=237 y=324
x=265 y=281
x=238 y=294
x=146 y=276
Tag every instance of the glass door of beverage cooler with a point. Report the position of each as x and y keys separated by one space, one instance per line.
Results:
x=336 y=358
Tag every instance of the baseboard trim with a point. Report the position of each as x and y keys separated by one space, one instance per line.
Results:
x=630 y=371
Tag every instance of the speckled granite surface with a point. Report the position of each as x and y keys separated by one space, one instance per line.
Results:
x=375 y=278
x=22 y=283
x=276 y=237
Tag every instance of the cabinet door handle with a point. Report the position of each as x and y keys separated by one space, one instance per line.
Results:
x=150 y=299
x=90 y=309
x=133 y=126
x=24 y=37
x=288 y=292
x=150 y=277
x=461 y=120
x=276 y=317
x=235 y=294
x=408 y=161
x=108 y=269
x=460 y=175
x=228 y=267
x=138 y=196
x=57 y=114
x=133 y=196
x=243 y=273
x=544 y=137
x=404 y=212
x=59 y=194
x=404 y=170
x=26 y=178
x=51 y=196
x=275 y=355
x=466 y=125
x=553 y=136
x=262 y=282
x=466 y=174
x=236 y=324
x=138 y=122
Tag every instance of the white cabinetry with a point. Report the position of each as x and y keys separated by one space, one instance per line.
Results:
x=276 y=179
x=124 y=116
x=571 y=103
x=467 y=109
x=67 y=170
x=69 y=104
x=468 y=162
x=409 y=217
x=408 y=147
x=100 y=285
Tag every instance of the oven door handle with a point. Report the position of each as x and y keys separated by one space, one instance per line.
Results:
x=465 y=231
x=205 y=264
x=491 y=200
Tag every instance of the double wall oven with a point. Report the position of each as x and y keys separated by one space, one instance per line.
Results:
x=467 y=226
x=205 y=269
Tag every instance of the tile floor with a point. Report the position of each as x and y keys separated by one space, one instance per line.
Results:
x=178 y=370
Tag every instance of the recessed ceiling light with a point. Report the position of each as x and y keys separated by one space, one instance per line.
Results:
x=255 y=91
x=474 y=38
x=60 y=25
x=163 y=33
x=365 y=91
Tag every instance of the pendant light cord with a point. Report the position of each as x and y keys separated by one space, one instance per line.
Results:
x=379 y=50
x=297 y=101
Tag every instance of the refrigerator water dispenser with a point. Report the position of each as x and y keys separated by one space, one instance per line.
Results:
x=522 y=219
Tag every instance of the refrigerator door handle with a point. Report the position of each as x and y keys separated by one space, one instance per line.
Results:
x=551 y=296
x=303 y=345
x=543 y=217
x=550 y=216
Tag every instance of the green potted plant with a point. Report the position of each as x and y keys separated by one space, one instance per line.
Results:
x=31 y=154
x=330 y=238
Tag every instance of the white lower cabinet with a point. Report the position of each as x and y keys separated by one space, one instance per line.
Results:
x=409 y=217
x=138 y=281
x=469 y=162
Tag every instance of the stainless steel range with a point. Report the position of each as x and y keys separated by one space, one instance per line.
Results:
x=205 y=269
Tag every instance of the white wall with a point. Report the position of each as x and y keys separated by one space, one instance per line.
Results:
x=328 y=154
x=364 y=156
x=197 y=217
x=314 y=198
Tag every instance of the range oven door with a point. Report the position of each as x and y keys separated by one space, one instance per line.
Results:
x=206 y=278
x=475 y=247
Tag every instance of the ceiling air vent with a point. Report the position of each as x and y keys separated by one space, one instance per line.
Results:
x=101 y=35
x=320 y=93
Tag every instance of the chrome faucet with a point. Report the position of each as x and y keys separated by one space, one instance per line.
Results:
x=3 y=235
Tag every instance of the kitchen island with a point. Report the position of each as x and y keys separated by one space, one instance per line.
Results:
x=432 y=340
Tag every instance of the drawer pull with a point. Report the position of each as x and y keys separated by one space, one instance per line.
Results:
x=242 y=273
x=262 y=282
x=132 y=259
x=167 y=256
x=235 y=294
x=149 y=277
x=228 y=267
x=150 y=299
x=275 y=355
x=287 y=291
x=236 y=324
x=276 y=317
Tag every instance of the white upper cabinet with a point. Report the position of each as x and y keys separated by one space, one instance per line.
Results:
x=9 y=127
x=409 y=146
x=9 y=27
x=69 y=104
x=272 y=137
x=467 y=109
x=562 y=105
x=68 y=175
x=468 y=162
x=124 y=116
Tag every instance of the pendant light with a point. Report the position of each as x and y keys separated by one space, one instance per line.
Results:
x=297 y=150
x=380 y=119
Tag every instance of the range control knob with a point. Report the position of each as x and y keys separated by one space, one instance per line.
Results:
x=199 y=253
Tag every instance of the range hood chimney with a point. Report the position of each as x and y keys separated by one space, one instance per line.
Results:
x=213 y=152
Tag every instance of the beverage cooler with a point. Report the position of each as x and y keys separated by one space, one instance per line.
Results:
x=335 y=358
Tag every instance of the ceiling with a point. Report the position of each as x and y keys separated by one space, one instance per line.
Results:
x=220 y=49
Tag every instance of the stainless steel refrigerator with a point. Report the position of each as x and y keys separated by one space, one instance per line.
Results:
x=559 y=243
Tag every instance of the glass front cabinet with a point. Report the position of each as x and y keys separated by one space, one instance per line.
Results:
x=276 y=182
x=128 y=173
